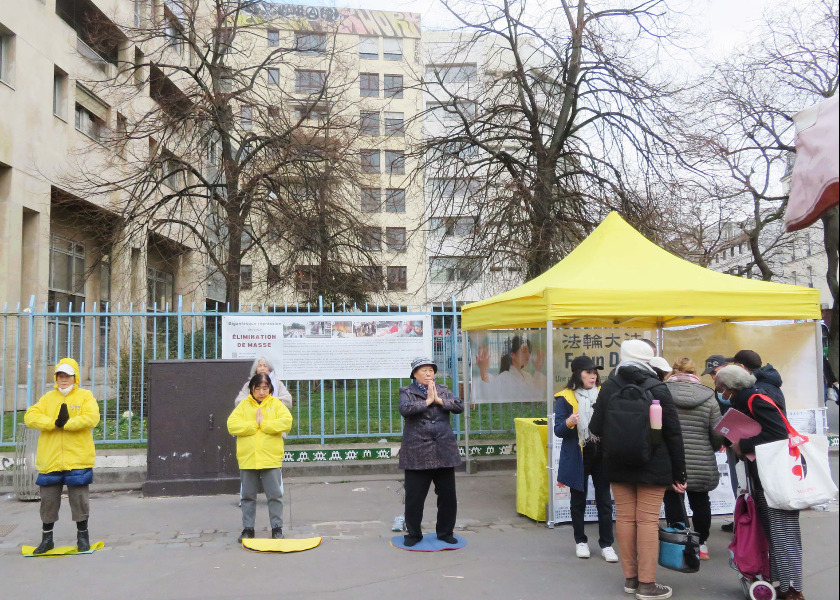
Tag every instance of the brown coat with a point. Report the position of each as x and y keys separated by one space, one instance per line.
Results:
x=428 y=441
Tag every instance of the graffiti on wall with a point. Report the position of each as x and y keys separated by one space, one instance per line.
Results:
x=340 y=20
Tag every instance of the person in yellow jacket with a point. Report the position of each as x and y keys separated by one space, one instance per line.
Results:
x=66 y=417
x=259 y=422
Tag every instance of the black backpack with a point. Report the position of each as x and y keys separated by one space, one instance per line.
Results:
x=627 y=435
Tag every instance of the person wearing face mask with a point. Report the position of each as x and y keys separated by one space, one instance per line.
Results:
x=429 y=451
x=65 y=416
x=581 y=456
x=714 y=364
x=259 y=422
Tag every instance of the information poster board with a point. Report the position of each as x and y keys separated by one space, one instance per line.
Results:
x=329 y=347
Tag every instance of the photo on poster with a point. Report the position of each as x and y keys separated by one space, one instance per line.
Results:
x=294 y=330
x=342 y=329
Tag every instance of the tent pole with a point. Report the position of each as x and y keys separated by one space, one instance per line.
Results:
x=821 y=404
x=549 y=384
x=465 y=343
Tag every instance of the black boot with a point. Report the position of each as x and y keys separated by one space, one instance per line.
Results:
x=46 y=543
x=277 y=533
x=82 y=540
x=248 y=532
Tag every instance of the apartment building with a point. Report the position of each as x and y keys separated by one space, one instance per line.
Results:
x=356 y=70
x=453 y=67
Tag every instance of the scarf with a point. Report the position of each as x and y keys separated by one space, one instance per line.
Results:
x=636 y=363
x=586 y=406
x=684 y=377
x=422 y=387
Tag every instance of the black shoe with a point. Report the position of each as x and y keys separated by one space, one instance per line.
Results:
x=449 y=539
x=410 y=540
x=46 y=543
x=276 y=533
x=248 y=532
x=728 y=527
x=82 y=540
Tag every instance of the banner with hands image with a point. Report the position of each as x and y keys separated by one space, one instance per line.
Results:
x=509 y=365
x=329 y=347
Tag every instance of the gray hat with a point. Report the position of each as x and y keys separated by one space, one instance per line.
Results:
x=422 y=361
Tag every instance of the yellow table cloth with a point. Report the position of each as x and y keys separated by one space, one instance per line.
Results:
x=531 y=463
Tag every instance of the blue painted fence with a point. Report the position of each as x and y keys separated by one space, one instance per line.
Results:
x=113 y=348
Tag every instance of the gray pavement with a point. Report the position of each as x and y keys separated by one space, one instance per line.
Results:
x=185 y=548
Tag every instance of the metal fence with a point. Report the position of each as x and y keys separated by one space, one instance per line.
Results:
x=113 y=348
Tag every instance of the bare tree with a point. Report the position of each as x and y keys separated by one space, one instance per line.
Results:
x=746 y=132
x=565 y=120
x=242 y=148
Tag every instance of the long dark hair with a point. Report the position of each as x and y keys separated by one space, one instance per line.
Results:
x=575 y=382
x=511 y=346
x=257 y=380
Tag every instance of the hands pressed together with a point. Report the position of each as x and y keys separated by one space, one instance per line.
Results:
x=63 y=416
x=432 y=395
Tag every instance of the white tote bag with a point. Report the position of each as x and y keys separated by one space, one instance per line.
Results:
x=794 y=472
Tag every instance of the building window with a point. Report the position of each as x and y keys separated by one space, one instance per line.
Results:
x=732 y=251
x=174 y=34
x=308 y=81
x=369 y=123
x=122 y=134
x=454 y=226
x=60 y=94
x=808 y=246
x=6 y=54
x=67 y=272
x=395 y=239
x=246 y=275
x=372 y=239
x=88 y=123
x=311 y=113
x=393 y=86
x=173 y=173
x=368 y=47
x=445 y=269
x=450 y=73
x=810 y=277
x=275 y=275
x=794 y=279
x=311 y=43
x=305 y=278
x=393 y=49
x=246 y=117
x=369 y=85
x=394 y=200
x=273 y=112
x=371 y=199
x=395 y=162
x=273 y=76
x=160 y=288
x=372 y=278
x=273 y=37
x=369 y=161
x=397 y=279
x=394 y=123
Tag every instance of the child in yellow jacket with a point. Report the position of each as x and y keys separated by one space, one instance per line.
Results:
x=259 y=422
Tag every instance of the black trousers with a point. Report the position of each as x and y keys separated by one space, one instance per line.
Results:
x=417 y=488
x=603 y=502
x=700 y=506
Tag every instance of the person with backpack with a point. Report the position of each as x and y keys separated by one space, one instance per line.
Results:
x=780 y=526
x=581 y=455
x=642 y=460
x=698 y=413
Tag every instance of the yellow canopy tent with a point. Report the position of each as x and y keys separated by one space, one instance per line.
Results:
x=617 y=276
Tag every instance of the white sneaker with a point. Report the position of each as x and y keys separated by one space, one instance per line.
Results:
x=582 y=550
x=609 y=554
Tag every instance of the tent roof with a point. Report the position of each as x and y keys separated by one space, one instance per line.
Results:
x=616 y=276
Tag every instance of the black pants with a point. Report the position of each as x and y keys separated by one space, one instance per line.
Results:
x=417 y=488
x=603 y=502
x=700 y=506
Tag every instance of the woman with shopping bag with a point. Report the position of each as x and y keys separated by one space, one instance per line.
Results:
x=780 y=526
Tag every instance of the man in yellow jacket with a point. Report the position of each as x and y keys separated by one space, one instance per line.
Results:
x=66 y=417
x=259 y=422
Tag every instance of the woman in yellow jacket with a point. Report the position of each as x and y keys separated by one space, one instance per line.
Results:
x=66 y=417
x=259 y=422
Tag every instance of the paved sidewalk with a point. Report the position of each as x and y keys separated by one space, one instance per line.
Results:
x=185 y=548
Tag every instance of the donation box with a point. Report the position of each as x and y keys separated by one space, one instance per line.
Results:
x=190 y=452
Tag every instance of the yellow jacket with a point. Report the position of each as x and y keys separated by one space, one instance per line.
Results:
x=259 y=446
x=70 y=447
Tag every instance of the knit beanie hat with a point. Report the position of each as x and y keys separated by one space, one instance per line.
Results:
x=636 y=350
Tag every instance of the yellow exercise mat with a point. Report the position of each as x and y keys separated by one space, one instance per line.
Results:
x=61 y=550
x=282 y=545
